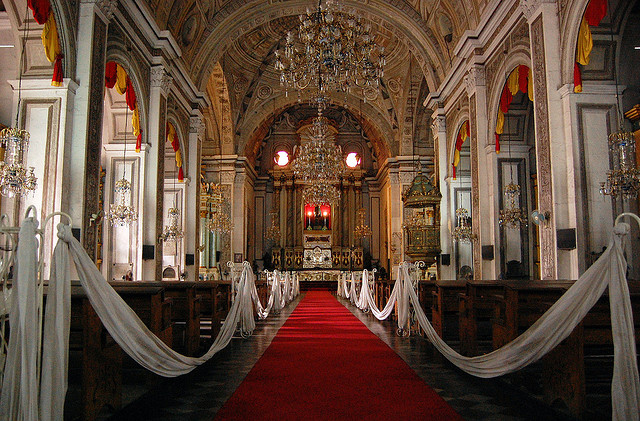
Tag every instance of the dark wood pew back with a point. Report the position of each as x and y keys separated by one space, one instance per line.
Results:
x=185 y=315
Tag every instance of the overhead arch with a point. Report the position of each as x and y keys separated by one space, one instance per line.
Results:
x=377 y=134
x=239 y=17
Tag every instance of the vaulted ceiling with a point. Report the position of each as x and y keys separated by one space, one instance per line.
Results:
x=240 y=36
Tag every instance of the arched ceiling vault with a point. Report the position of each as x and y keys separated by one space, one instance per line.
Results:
x=396 y=17
x=228 y=46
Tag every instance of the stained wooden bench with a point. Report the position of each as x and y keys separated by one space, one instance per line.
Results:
x=477 y=305
x=444 y=311
x=95 y=359
x=185 y=315
x=147 y=299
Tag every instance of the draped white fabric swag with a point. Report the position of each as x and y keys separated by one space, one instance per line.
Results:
x=21 y=399
x=552 y=328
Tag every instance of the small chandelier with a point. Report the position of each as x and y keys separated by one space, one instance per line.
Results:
x=462 y=231
x=120 y=213
x=320 y=193
x=512 y=216
x=15 y=180
x=332 y=50
x=172 y=232
x=273 y=232
x=624 y=179
x=361 y=230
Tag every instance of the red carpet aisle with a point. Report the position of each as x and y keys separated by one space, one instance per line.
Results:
x=325 y=364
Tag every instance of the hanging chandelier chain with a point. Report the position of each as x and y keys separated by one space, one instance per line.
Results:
x=15 y=179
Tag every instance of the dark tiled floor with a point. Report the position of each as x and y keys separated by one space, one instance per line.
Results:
x=200 y=394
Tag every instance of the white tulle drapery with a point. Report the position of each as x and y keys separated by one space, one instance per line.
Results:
x=552 y=328
x=22 y=398
x=281 y=292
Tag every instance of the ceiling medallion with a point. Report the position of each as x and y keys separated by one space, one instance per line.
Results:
x=332 y=50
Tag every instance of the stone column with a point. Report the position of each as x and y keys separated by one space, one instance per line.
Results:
x=192 y=193
x=396 y=215
x=151 y=219
x=289 y=214
x=553 y=157
x=239 y=216
x=83 y=153
x=439 y=132
x=483 y=167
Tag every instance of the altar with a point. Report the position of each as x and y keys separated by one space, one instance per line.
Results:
x=318 y=275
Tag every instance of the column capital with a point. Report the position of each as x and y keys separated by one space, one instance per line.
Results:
x=394 y=178
x=475 y=77
x=196 y=125
x=530 y=7
x=160 y=79
x=227 y=177
x=439 y=122
x=105 y=7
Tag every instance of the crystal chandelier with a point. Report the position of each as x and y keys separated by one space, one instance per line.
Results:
x=319 y=159
x=624 y=180
x=15 y=180
x=462 y=231
x=319 y=163
x=332 y=50
x=320 y=193
x=120 y=213
x=361 y=230
x=172 y=232
x=512 y=216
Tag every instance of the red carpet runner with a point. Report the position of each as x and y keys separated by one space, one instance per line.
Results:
x=324 y=364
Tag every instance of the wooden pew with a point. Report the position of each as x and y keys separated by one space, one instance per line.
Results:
x=95 y=359
x=444 y=311
x=477 y=304
x=523 y=303
x=214 y=306
x=383 y=288
x=147 y=299
x=426 y=289
x=562 y=369
x=185 y=315
x=206 y=291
